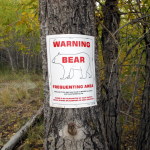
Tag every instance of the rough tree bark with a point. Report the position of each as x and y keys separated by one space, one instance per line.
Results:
x=111 y=81
x=70 y=129
x=143 y=140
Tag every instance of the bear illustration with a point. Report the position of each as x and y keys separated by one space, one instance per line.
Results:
x=71 y=62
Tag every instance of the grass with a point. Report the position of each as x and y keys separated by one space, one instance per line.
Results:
x=15 y=86
x=7 y=75
x=9 y=95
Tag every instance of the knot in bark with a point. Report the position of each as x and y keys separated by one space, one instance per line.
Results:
x=72 y=129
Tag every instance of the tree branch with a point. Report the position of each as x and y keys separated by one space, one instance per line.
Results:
x=131 y=22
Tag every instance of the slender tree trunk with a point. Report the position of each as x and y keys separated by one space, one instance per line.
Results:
x=82 y=128
x=17 y=59
x=38 y=67
x=23 y=61
x=111 y=82
x=27 y=66
x=11 y=60
x=143 y=140
x=35 y=63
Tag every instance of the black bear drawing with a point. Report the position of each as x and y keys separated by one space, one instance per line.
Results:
x=71 y=62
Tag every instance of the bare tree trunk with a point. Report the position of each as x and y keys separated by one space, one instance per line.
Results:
x=17 y=60
x=83 y=128
x=35 y=61
x=38 y=63
x=27 y=67
x=143 y=140
x=11 y=60
x=23 y=61
x=111 y=81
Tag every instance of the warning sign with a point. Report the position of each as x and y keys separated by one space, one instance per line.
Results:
x=71 y=69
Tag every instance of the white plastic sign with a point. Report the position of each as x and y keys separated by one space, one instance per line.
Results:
x=71 y=69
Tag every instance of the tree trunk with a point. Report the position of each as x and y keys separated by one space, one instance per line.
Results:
x=71 y=129
x=111 y=81
x=11 y=59
x=27 y=66
x=143 y=140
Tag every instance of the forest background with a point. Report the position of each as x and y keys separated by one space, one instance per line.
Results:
x=21 y=84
